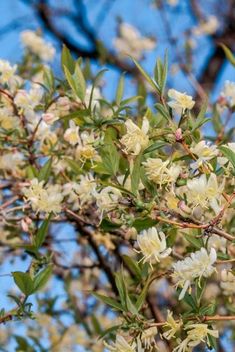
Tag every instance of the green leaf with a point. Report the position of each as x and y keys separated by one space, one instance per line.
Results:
x=163 y=112
x=155 y=146
x=42 y=278
x=24 y=282
x=119 y=280
x=193 y=240
x=109 y=331
x=229 y=154
x=49 y=79
x=107 y=225
x=201 y=119
x=80 y=82
x=132 y=265
x=147 y=77
x=78 y=115
x=45 y=171
x=67 y=60
x=190 y=301
x=110 y=158
x=109 y=301
x=74 y=165
x=160 y=73
x=135 y=175
x=143 y=223
x=76 y=81
x=42 y=232
x=120 y=89
x=141 y=299
x=31 y=172
x=130 y=100
x=228 y=53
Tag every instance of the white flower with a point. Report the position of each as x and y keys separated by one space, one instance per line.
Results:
x=82 y=193
x=159 y=171
x=205 y=152
x=46 y=199
x=7 y=72
x=209 y=26
x=130 y=42
x=108 y=198
x=217 y=242
x=11 y=161
x=172 y=326
x=205 y=192
x=199 y=333
x=37 y=45
x=135 y=138
x=180 y=101
x=127 y=183
x=227 y=282
x=121 y=345
x=49 y=118
x=228 y=93
x=198 y=265
x=71 y=135
x=152 y=245
x=27 y=101
x=148 y=338
x=7 y=119
x=85 y=149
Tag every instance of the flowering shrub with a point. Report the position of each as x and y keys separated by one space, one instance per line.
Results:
x=149 y=198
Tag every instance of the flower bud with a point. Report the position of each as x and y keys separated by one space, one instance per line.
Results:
x=178 y=135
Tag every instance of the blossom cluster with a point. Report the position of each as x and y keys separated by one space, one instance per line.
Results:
x=147 y=190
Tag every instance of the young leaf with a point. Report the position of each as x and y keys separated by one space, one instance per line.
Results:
x=147 y=77
x=141 y=299
x=42 y=232
x=132 y=265
x=109 y=301
x=135 y=175
x=80 y=82
x=24 y=282
x=228 y=53
x=120 y=89
x=229 y=154
x=193 y=240
x=67 y=60
x=119 y=280
x=163 y=111
x=45 y=171
x=42 y=278
x=76 y=81
x=110 y=158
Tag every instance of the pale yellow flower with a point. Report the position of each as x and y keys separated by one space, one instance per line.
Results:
x=160 y=172
x=205 y=192
x=121 y=345
x=71 y=135
x=172 y=326
x=198 y=265
x=153 y=245
x=135 y=139
x=180 y=101
x=37 y=45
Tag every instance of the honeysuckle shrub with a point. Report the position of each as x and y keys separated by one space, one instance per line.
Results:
x=148 y=198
